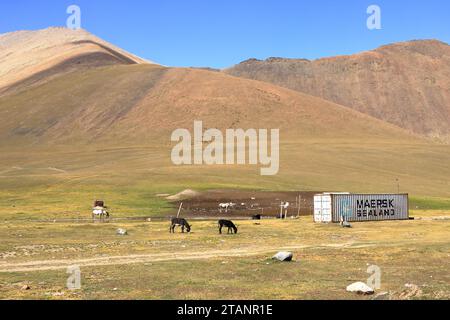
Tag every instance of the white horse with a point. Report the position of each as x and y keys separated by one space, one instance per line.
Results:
x=226 y=206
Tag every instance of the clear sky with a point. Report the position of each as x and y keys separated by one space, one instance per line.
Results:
x=220 y=33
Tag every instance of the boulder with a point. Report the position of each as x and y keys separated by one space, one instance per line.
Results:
x=122 y=232
x=360 y=288
x=283 y=256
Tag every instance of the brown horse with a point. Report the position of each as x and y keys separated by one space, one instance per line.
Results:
x=180 y=222
x=228 y=224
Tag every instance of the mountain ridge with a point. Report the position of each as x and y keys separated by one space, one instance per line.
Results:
x=406 y=84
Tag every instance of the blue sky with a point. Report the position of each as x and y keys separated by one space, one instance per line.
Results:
x=222 y=33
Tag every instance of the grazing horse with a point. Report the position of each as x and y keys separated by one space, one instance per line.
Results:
x=228 y=224
x=180 y=222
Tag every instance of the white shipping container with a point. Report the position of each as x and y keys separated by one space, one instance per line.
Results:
x=332 y=207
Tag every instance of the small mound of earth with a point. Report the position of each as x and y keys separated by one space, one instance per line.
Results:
x=186 y=194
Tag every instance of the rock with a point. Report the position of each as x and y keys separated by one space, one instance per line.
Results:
x=26 y=287
x=122 y=232
x=283 y=256
x=346 y=224
x=360 y=288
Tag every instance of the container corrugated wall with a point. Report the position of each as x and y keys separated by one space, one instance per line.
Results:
x=370 y=207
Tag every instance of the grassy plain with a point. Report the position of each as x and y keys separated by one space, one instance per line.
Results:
x=150 y=263
x=63 y=182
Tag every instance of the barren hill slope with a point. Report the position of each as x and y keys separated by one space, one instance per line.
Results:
x=138 y=102
x=406 y=84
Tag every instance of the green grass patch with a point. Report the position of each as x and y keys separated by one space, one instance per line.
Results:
x=428 y=203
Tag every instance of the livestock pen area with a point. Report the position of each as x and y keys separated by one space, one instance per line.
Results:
x=245 y=204
x=146 y=261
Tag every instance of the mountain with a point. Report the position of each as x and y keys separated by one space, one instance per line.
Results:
x=91 y=91
x=137 y=102
x=29 y=57
x=406 y=84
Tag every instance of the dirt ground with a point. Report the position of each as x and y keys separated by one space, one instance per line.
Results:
x=248 y=203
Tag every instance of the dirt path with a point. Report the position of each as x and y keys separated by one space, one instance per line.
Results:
x=46 y=265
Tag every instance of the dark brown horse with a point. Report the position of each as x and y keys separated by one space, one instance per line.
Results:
x=180 y=222
x=228 y=224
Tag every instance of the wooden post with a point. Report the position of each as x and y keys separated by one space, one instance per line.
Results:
x=179 y=210
x=299 y=205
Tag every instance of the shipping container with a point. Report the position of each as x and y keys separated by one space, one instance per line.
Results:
x=335 y=207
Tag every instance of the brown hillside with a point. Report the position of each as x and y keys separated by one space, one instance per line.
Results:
x=406 y=84
x=134 y=103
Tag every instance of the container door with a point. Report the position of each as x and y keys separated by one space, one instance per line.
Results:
x=326 y=209
x=322 y=208
x=318 y=208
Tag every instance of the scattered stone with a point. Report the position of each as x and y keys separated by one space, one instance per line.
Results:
x=122 y=232
x=346 y=224
x=411 y=291
x=283 y=256
x=360 y=288
x=26 y=287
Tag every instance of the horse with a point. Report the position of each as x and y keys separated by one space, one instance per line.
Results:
x=180 y=222
x=226 y=206
x=100 y=212
x=228 y=224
